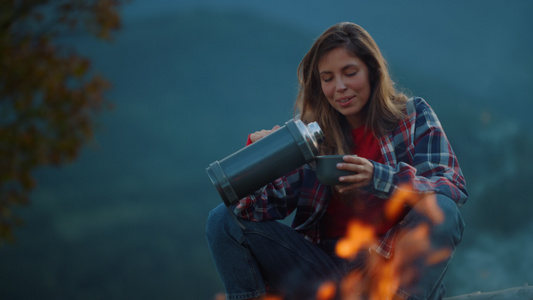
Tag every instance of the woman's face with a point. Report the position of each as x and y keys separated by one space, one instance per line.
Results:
x=345 y=83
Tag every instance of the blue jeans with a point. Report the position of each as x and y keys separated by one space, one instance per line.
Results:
x=270 y=255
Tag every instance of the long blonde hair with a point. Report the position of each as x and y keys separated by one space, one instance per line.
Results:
x=385 y=106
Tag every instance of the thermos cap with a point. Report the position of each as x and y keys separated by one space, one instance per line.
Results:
x=316 y=136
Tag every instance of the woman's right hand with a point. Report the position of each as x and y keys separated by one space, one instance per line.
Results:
x=256 y=136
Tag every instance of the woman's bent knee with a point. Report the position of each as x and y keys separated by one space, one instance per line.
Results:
x=221 y=225
x=215 y=220
x=453 y=224
x=442 y=215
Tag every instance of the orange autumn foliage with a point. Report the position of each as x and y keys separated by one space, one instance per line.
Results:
x=48 y=96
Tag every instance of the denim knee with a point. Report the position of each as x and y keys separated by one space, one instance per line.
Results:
x=453 y=224
x=216 y=222
x=446 y=232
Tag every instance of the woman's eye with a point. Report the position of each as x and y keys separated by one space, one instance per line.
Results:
x=351 y=74
x=328 y=79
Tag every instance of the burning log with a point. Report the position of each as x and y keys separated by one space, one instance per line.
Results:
x=517 y=293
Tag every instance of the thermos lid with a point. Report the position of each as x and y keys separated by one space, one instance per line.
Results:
x=307 y=137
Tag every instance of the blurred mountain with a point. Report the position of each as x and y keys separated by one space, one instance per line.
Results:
x=127 y=219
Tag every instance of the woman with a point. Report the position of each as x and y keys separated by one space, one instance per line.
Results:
x=345 y=87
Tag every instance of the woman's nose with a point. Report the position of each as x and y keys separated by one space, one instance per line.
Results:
x=340 y=86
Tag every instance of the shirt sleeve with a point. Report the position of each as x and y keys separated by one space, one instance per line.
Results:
x=424 y=159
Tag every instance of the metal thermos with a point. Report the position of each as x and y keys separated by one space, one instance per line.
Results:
x=269 y=158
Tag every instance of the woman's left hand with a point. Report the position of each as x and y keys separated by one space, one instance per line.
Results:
x=364 y=172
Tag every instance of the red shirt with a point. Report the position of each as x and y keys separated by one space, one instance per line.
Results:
x=364 y=207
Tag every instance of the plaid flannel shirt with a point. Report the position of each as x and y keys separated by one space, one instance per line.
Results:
x=417 y=152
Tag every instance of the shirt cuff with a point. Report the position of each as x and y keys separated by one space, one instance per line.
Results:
x=382 y=183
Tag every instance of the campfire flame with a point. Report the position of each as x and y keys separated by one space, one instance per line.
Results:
x=382 y=277
x=358 y=235
x=326 y=291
